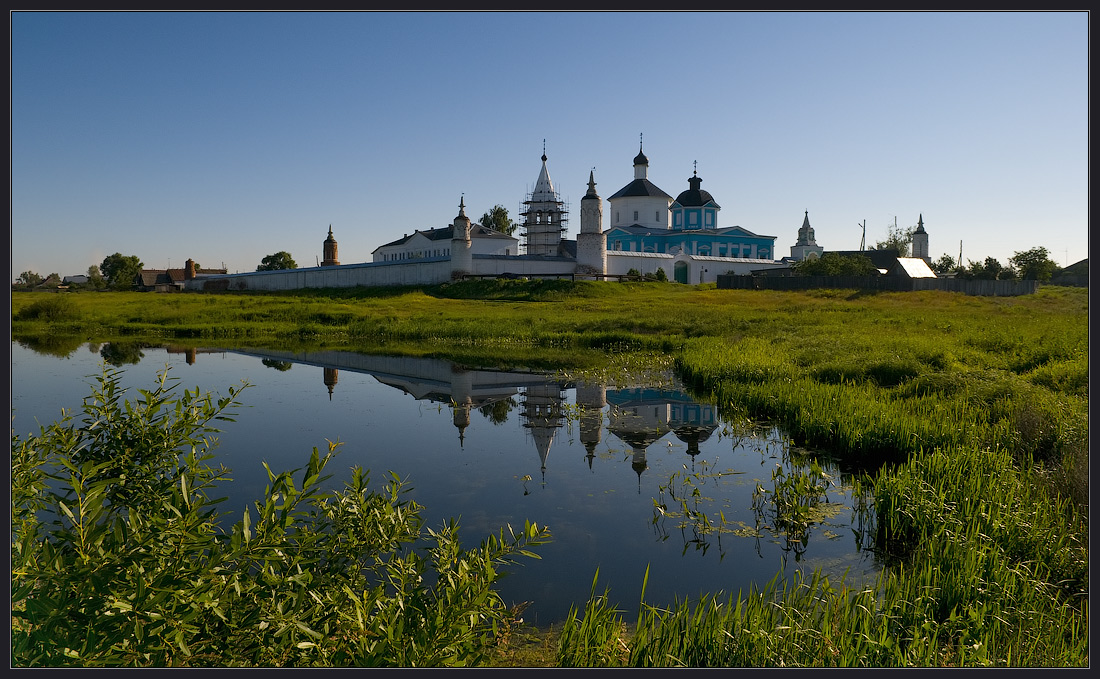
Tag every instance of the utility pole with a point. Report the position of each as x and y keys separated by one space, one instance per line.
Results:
x=863 y=239
x=960 y=253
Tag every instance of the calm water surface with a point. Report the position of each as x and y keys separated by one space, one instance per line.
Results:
x=493 y=448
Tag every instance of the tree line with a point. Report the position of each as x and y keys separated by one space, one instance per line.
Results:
x=1029 y=265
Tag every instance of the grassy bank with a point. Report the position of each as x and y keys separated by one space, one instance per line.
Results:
x=970 y=413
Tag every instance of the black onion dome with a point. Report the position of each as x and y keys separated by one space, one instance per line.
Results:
x=695 y=197
x=640 y=159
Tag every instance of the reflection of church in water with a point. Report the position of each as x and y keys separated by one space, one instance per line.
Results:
x=637 y=416
x=643 y=416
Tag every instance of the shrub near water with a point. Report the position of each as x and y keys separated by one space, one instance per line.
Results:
x=51 y=309
x=135 y=568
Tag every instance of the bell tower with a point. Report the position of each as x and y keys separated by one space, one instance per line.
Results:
x=544 y=214
x=806 y=246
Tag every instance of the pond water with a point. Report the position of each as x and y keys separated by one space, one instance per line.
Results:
x=490 y=448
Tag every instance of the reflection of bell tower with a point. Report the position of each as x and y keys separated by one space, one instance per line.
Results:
x=461 y=400
x=542 y=415
x=330 y=380
x=639 y=465
x=462 y=419
x=191 y=354
x=590 y=397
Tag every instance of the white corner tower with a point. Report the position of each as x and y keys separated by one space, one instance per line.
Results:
x=591 y=243
x=462 y=260
x=544 y=215
x=920 y=241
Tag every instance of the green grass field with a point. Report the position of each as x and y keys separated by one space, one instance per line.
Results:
x=970 y=415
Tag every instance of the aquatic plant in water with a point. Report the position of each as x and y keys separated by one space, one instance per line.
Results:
x=798 y=499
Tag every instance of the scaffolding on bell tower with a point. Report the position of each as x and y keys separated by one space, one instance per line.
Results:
x=544 y=222
x=544 y=215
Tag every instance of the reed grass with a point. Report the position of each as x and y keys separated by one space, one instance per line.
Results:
x=989 y=578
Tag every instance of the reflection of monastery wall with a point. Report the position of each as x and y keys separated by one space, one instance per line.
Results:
x=637 y=416
x=422 y=378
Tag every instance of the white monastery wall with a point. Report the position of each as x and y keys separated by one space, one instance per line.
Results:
x=438 y=270
x=699 y=269
x=495 y=265
x=417 y=272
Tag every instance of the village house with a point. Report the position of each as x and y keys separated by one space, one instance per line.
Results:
x=168 y=280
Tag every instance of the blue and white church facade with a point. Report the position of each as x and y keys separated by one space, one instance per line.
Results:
x=652 y=230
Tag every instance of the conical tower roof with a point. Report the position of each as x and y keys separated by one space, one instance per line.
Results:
x=544 y=187
x=806 y=232
x=591 y=194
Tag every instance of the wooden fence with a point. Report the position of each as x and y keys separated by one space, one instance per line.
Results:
x=883 y=283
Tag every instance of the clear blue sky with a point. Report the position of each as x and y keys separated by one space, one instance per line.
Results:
x=225 y=137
